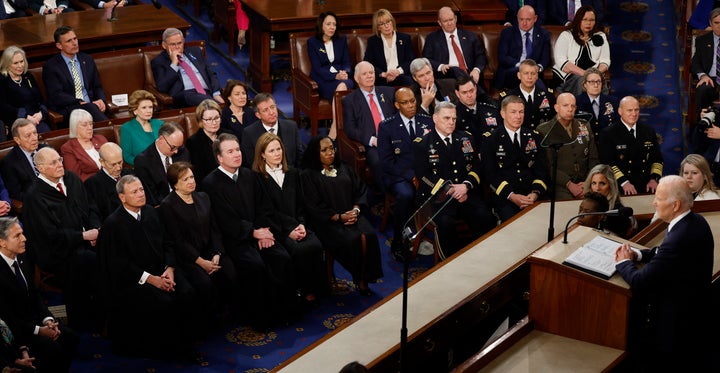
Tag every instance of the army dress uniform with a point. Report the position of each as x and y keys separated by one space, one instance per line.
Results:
x=542 y=108
x=458 y=163
x=637 y=159
x=485 y=117
x=575 y=158
x=511 y=169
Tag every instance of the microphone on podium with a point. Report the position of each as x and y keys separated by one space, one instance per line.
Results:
x=622 y=211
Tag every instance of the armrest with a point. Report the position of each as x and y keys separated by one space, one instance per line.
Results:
x=306 y=89
x=163 y=98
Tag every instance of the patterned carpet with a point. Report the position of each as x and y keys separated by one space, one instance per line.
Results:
x=644 y=64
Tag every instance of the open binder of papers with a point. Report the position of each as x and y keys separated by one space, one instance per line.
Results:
x=596 y=257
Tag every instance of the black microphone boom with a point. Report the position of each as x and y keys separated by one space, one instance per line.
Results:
x=622 y=211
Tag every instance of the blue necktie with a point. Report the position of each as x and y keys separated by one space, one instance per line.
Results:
x=18 y=274
x=528 y=45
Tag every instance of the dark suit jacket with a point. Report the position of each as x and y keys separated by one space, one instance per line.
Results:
x=320 y=71
x=233 y=125
x=170 y=81
x=557 y=11
x=375 y=53
x=636 y=159
x=473 y=50
x=288 y=132
x=101 y=189
x=704 y=54
x=608 y=111
x=77 y=160
x=510 y=49
x=541 y=110
x=150 y=169
x=20 y=6
x=445 y=92
x=22 y=310
x=54 y=223
x=17 y=172
x=59 y=84
x=395 y=147
x=19 y=101
x=201 y=155
x=358 y=122
x=676 y=283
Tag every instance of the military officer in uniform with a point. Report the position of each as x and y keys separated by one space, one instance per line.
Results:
x=394 y=145
x=515 y=165
x=632 y=150
x=452 y=156
x=578 y=153
x=602 y=108
x=476 y=114
x=539 y=103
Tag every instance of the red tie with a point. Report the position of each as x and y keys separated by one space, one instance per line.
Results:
x=60 y=188
x=458 y=54
x=377 y=118
x=191 y=74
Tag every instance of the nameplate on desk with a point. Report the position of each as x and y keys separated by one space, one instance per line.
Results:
x=120 y=100
x=596 y=257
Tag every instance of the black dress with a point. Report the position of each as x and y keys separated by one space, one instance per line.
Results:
x=327 y=196
x=18 y=100
x=201 y=154
x=235 y=125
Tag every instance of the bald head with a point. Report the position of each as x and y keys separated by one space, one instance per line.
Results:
x=365 y=75
x=565 y=108
x=447 y=19
x=629 y=110
x=49 y=164
x=111 y=159
x=45 y=154
x=405 y=102
x=526 y=18
x=672 y=198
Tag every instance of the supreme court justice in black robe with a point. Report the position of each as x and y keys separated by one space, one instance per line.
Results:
x=243 y=213
x=199 y=251
x=333 y=197
x=61 y=223
x=152 y=308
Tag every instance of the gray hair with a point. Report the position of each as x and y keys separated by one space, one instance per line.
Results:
x=444 y=105
x=5 y=224
x=77 y=116
x=127 y=179
x=170 y=32
x=418 y=64
x=7 y=56
x=678 y=190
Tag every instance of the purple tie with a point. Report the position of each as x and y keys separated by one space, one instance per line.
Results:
x=528 y=45
x=191 y=74
x=571 y=10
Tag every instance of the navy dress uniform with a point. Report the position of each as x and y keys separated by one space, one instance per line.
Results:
x=636 y=159
x=485 y=117
x=459 y=163
x=607 y=111
x=511 y=169
x=541 y=109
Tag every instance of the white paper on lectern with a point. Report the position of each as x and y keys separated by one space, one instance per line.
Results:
x=597 y=255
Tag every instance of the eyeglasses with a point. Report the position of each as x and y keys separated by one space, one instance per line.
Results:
x=594 y=82
x=382 y=24
x=172 y=147
x=210 y=120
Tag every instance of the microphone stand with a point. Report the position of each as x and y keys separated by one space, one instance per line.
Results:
x=553 y=182
x=407 y=238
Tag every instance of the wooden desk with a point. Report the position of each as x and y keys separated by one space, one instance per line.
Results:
x=438 y=298
x=136 y=25
x=267 y=17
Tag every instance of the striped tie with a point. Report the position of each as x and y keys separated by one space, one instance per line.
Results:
x=76 y=79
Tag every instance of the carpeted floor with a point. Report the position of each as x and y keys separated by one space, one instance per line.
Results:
x=643 y=64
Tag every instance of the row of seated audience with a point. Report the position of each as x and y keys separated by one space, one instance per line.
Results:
x=26 y=8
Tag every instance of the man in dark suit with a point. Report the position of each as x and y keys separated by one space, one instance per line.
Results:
x=184 y=74
x=394 y=146
x=706 y=90
x=515 y=164
x=267 y=114
x=524 y=40
x=18 y=168
x=632 y=149
x=453 y=51
x=674 y=286
x=427 y=90
x=243 y=214
x=514 y=6
x=557 y=11
x=153 y=310
x=23 y=309
x=476 y=114
x=101 y=186
x=539 y=103
x=360 y=121
x=71 y=79
x=451 y=155
x=151 y=165
x=602 y=108
x=62 y=226
x=16 y=9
